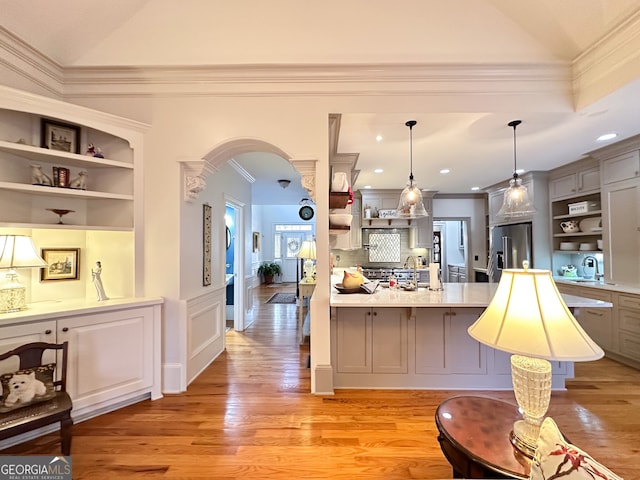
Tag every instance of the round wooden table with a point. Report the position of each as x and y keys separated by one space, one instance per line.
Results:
x=474 y=436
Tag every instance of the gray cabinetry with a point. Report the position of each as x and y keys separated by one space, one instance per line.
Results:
x=575 y=179
x=629 y=326
x=433 y=355
x=371 y=340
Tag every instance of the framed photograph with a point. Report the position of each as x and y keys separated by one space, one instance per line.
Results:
x=62 y=264
x=60 y=136
x=256 y=242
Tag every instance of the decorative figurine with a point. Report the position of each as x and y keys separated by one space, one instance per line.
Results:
x=80 y=182
x=38 y=177
x=94 y=151
x=97 y=281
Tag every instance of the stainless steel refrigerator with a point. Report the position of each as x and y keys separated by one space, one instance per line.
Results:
x=509 y=246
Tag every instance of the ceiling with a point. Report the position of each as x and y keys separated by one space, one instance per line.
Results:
x=475 y=144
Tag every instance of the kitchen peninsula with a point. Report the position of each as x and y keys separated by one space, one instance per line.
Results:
x=418 y=339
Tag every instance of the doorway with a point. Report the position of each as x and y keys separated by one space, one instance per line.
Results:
x=234 y=258
x=453 y=248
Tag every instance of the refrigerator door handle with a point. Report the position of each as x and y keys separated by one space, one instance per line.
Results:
x=499 y=260
x=506 y=248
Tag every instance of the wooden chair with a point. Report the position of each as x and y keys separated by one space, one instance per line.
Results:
x=56 y=409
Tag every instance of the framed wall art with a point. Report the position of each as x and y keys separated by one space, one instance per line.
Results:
x=62 y=264
x=256 y=242
x=60 y=136
x=206 y=245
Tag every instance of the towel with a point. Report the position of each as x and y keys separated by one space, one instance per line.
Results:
x=370 y=287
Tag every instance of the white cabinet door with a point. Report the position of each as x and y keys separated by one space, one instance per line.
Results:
x=110 y=354
x=15 y=335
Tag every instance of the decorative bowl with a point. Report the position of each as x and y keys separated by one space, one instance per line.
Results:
x=569 y=245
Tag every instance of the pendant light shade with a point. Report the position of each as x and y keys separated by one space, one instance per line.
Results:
x=411 y=204
x=516 y=202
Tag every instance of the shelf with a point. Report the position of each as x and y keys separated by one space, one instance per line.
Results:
x=338 y=229
x=61 y=192
x=574 y=215
x=578 y=251
x=339 y=199
x=388 y=221
x=69 y=159
x=578 y=234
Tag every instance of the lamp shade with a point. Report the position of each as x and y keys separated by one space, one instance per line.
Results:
x=18 y=251
x=527 y=316
x=308 y=249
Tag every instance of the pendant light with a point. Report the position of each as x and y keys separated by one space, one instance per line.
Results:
x=516 y=202
x=411 y=204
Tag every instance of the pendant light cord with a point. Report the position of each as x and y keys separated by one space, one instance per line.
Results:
x=514 y=124
x=411 y=124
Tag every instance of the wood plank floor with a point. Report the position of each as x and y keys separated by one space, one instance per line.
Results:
x=250 y=415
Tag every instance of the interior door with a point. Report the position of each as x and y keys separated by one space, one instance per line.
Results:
x=291 y=246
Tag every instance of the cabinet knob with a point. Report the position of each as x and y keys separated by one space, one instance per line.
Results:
x=65 y=329
x=375 y=314
x=47 y=332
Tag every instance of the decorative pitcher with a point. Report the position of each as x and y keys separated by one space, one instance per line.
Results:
x=570 y=226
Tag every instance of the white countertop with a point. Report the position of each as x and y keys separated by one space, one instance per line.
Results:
x=453 y=295
x=611 y=287
x=53 y=309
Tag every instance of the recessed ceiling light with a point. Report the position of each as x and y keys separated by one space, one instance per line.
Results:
x=444 y=171
x=378 y=170
x=378 y=138
x=367 y=186
x=606 y=136
x=475 y=188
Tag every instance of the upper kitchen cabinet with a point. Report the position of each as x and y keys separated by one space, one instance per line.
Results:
x=620 y=171
x=43 y=165
x=576 y=215
x=577 y=178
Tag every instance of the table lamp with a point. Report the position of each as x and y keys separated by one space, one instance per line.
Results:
x=528 y=318
x=16 y=251
x=308 y=252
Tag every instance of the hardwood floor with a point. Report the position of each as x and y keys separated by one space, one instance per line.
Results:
x=250 y=415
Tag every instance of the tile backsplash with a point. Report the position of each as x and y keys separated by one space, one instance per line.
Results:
x=384 y=248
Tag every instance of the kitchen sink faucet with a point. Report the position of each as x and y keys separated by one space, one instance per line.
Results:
x=591 y=261
x=415 y=268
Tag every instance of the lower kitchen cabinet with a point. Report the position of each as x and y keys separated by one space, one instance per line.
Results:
x=443 y=344
x=629 y=326
x=114 y=352
x=372 y=340
x=417 y=348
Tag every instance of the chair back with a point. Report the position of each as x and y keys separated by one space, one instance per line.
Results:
x=30 y=356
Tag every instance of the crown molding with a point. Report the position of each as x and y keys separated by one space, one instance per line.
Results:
x=609 y=64
x=241 y=171
x=27 y=62
x=318 y=80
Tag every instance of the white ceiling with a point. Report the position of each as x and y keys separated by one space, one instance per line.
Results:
x=476 y=145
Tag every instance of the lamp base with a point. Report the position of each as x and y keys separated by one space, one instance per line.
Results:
x=12 y=299
x=532 y=387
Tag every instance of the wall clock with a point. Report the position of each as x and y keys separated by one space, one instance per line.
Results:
x=306 y=212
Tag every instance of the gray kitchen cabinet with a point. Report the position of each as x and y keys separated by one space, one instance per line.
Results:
x=433 y=355
x=621 y=167
x=371 y=340
x=421 y=235
x=629 y=325
x=598 y=322
x=621 y=231
x=456 y=274
x=578 y=178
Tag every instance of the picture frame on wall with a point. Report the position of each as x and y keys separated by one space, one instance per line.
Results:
x=60 y=136
x=62 y=264
x=256 y=242
x=206 y=245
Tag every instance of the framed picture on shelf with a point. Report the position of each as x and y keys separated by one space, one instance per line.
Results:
x=63 y=137
x=62 y=264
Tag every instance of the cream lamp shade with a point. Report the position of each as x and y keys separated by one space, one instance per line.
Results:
x=528 y=318
x=16 y=251
x=308 y=252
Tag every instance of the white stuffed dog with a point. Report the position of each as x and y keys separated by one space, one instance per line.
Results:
x=23 y=388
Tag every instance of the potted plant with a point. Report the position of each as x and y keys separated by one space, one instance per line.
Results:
x=268 y=270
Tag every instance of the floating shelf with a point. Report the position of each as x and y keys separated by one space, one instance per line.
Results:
x=338 y=199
